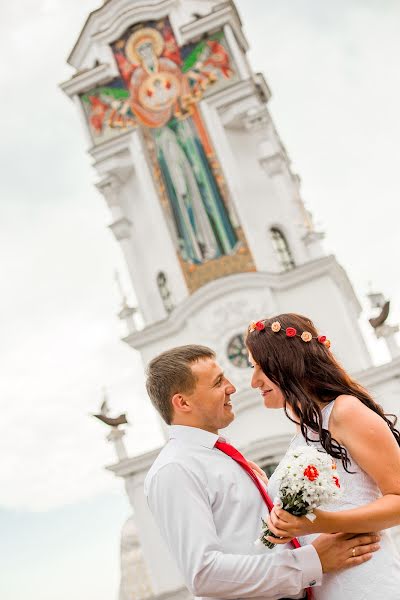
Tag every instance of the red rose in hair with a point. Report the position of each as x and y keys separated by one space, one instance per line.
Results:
x=290 y=331
x=311 y=473
x=260 y=326
x=321 y=339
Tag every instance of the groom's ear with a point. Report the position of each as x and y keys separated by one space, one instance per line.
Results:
x=180 y=403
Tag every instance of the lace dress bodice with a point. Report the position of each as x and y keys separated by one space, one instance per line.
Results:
x=376 y=579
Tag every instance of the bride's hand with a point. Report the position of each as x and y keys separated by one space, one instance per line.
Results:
x=287 y=526
x=258 y=471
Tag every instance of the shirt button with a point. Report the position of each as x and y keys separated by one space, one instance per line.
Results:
x=313 y=582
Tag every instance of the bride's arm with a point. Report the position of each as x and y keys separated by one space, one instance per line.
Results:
x=373 y=446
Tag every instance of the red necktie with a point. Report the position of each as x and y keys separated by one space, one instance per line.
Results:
x=239 y=458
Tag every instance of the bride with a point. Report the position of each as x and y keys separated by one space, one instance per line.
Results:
x=294 y=369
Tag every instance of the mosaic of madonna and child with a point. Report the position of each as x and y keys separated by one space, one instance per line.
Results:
x=159 y=90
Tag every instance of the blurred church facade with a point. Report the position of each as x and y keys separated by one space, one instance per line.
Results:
x=209 y=216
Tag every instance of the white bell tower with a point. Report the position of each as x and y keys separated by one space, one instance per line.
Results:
x=205 y=206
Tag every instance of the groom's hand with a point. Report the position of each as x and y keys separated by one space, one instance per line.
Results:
x=343 y=550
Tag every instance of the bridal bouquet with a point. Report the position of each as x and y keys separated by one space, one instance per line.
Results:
x=308 y=480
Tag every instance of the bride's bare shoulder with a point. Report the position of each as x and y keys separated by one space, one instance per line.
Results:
x=348 y=408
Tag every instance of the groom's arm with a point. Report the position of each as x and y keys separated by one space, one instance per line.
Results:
x=181 y=508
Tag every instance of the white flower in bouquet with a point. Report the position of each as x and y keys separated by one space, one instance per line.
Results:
x=308 y=480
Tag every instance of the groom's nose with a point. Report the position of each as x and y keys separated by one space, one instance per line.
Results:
x=230 y=388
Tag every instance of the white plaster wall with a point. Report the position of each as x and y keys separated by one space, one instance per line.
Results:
x=163 y=572
x=386 y=393
x=152 y=247
x=333 y=313
x=256 y=199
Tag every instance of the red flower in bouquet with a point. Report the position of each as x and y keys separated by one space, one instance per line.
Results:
x=311 y=473
x=336 y=480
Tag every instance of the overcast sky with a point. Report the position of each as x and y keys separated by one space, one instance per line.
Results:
x=333 y=71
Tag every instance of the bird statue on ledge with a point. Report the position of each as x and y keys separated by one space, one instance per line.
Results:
x=110 y=421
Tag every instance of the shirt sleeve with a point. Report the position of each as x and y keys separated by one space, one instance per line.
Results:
x=180 y=505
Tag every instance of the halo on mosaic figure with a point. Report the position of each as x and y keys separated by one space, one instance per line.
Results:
x=147 y=34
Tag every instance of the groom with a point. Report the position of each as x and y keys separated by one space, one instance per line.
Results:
x=207 y=506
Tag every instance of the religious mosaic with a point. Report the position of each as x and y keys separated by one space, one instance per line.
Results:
x=159 y=88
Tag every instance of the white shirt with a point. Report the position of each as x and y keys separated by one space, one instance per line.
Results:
x=209 y=513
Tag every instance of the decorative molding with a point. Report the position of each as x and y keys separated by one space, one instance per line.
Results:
x=115 y=155
x=110 y=187
x=274 y=164
x=235 y=100
x=255 y=118
x=135 y=465
x=273 y=447
x=217 y=19
x=107 y=23
x=263 y=89
x=86 y=80
x=224 y=286
x=103 y=25
x=312 y=236
x=121 y=229
x=110 y=147
x=376 y=375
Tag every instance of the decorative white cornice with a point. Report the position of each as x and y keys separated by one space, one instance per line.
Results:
x=111 y=20
x=256 y=118
x=114 y=155
x=232 y=94
x=240 y=105
x=237 y=282
x=109 y=188
x=263 y=88
x=274 y=164
x=83 y=82
x=376 y=375
x=111 y=147
x=226 y=14
x=273 y=448
x=121 y=229
x=135 y=465
x=312 y=236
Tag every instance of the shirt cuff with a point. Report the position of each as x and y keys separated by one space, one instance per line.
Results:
x=310 y=565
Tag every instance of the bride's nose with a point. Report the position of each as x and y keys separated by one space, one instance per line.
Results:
x=255 y=381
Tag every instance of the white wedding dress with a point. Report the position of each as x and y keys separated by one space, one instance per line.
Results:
x=378 y=578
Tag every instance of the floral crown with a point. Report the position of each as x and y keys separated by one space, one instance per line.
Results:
x=290 y=332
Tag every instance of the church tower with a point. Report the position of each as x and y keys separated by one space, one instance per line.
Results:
x=205 y=206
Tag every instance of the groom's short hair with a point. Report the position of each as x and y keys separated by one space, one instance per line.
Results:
x=170 y=373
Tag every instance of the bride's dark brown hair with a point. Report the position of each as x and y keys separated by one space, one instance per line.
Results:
x=307 y=372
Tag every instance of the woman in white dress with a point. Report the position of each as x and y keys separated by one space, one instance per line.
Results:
x=294 y=369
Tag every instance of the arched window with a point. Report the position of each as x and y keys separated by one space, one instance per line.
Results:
x=282 y=249
x=165 y=292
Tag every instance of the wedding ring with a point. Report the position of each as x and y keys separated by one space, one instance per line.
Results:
x=353 y=552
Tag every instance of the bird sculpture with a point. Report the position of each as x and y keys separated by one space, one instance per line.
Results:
x=376 y=322
x=111 y=421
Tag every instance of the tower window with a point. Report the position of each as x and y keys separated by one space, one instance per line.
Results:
x=165 y=293
x=282 y=249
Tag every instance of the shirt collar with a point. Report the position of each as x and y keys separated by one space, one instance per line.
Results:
x=193 y=435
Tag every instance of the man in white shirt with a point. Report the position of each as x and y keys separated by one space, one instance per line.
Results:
x=208 y=508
